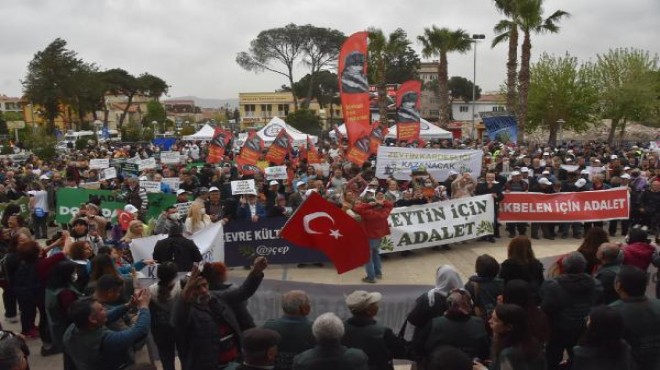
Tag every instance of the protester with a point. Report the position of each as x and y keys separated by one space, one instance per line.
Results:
x=374 y=212
x=485 y=286
x=519 y=292
x=175 y=248
x=434 y=303
x=610 y=257
x=163 y=295
x=259 y=349
x=522 y=264
x=197 y=219
x=638 y=252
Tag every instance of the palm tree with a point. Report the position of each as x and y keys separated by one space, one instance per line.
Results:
x=507 y=30
x=530 y=19
x=440 y=42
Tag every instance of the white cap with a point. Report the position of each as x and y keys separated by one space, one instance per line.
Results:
x=524 y=169
x=213 y=188
x=625 y=176
x=143 y=178
x=569 y=159
x=584 y=172
x=614 y=156
x=626 y=168
x=273 y=182
x=546 y=172
x=596 y=160
x=130 y=208
x=452 y=172
x=515 y=173
x=180 y=191
x=570 y=151
x=580 y=183
x=360 y=299
x=546 y=153
x=44 y=177
x=544 y=181
x=300 y=183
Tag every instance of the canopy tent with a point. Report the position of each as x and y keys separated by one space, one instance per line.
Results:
x=270 y=131
x=427 y=131
x=205 y=133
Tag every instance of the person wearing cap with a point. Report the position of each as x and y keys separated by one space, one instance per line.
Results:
x=178 y=249
x=363 y=332
x=250 y=208
x=136 y=195
x=491 y=186
x=182 y=196
x=374 y=213
x=619 y=182
x=597 y=184
x=214 y=206
x=544 y=186
x=567 y=300
x=297 y=197
x=329 y=353
x=294 y=327
x=516 y=184
x=271 y=193
x=208 y=334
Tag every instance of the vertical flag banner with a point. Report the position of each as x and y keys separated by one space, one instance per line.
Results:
x=312 y=153
x=354 y=87
x=378 y=133
x=501 y=126
x=217 y=147
x=251 y=150
x=408 y=104
x=279 y=148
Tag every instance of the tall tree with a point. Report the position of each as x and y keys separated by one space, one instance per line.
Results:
x=155 y=112
x=507 y=30
x=461 y=88
x=530 y=19
x=439 y=42
x=627 y=87
x=561 y=89
x=123 y=83
x=284 y=45
x=48 y=81
x=392 y=60
x=320 y=51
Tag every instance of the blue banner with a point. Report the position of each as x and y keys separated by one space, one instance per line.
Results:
x=501 y=126
x=165 y=143
x=245 y=240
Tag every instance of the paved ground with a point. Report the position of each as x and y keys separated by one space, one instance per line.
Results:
x=418 y=268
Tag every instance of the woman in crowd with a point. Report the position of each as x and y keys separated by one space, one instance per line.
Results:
x=602 y=347
x=104 y=265
x=592 y=240
x=522 y=264
x=514 y=348
x=434 y=302
x=197 y=219
x=163 y=295
x=519 y=292
x=485 y=286
x=639 y=250
x=60 y=293
x=216 y=275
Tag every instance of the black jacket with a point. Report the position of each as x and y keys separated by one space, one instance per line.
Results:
x=467 y=333
x=641 y=322
x=297 y=337
x=531 y=273
x=607 y=275
x=180 y=250
x=377 y=341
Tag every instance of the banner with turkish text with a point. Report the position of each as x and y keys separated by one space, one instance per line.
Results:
x=439 y=223
x=399 y=162
x=279 y=148
x=587 y=206
x=407 y=115
x=354 y=87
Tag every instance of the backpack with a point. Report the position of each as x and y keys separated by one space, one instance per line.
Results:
x=26 y=281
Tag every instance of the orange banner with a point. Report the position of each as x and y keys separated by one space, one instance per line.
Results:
x=251 y=150
x=378 y=133
x=312 y=153
x=279 y=148
x=585 y=206
x=354 y=87
x=217 y=147
x=407 y=115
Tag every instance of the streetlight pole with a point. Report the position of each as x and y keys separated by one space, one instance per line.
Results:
x=475 y=40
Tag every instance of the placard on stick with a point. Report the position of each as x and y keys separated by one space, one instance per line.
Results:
x=99 y=163
x=243 y=187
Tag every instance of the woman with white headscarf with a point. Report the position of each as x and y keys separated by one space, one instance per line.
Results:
x=434 y=302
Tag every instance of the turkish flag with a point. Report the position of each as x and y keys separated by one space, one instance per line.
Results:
x=318 y=224
x=124 y=218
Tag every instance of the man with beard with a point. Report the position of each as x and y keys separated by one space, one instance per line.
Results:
x=207 y=331
x=353 y=78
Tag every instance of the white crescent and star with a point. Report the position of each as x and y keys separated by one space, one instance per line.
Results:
x=312 y=216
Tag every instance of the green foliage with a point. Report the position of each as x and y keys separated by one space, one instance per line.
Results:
x=131 y=132
x=323 y=84
x=40 y=141
x=561 y=89
x=391 y=60
x=304 y=120
x=81 y=143
x=11 y=116
x=155 y=112
x=461 y=88
x=147 y=134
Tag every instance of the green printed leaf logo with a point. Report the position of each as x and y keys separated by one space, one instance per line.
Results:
x=485 y=227
x=246 y=251
x=386 y=244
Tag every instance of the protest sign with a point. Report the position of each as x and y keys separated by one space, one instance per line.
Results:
x=109 y=173
x=209 y=240
x=98 y=164
x=173 y=182
x=147 y=164
x=439 y=223
x=585 y=206
x=325 y=167
x=243 y=187
x=170 y=157
x=90 y=185
x=150 y=186
x=21 y=202
x=276 y=173
x=400 y=162
x=183 y=208
x=129 y=168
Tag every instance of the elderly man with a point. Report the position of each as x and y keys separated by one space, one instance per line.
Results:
x=610 y=257
x=259 y=349
x=136 y=195
x=380 y=343
x=516 y=184
x=294 y=327
x=329 y=353
x=296 y=199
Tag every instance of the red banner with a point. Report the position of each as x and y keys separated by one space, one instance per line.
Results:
x=246 y=168
x=407 y=115
x=279 y=148
x=354 y=87
x=251 y=150
x=359 y=152
x=585 y=206
x=217 y=147
x=312 y=154
x=378 y=133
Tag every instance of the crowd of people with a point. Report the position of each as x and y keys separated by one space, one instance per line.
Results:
x=588 y=310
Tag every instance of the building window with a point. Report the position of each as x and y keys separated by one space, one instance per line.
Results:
x=463 y=108
x=250 y=110
x=434 y=112
x=498 y=109
x=266 y=110
x=282 y=110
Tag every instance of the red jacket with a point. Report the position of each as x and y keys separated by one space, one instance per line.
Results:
x=374 y=218
x=638 y=254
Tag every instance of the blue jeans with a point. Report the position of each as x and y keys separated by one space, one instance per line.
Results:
x=373 y=267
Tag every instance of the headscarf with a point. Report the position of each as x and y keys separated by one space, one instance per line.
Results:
x=446 y=279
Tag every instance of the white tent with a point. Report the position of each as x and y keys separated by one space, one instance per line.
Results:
x=205 y=133
x=270 y=131
x=427 y=131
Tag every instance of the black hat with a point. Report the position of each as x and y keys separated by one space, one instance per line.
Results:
x=258 y=340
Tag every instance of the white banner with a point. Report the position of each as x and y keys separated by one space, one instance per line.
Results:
x=150 y=186
x=183 y=208
x=209 y=240
x=173 y=182
x=276 y=173
x=439 y=223
x=147 y=164
x=243 y=187
x=170 y=157
x=109 y=173
x=99 y=164
x=400 y=162
x=325 y=167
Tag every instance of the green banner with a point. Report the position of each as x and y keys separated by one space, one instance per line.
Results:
x=22 y=202
x=70 y=200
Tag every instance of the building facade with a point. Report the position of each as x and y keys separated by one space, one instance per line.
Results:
x=11 y=104
x=258 y=108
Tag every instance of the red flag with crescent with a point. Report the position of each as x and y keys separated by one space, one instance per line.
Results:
x=320 y=225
